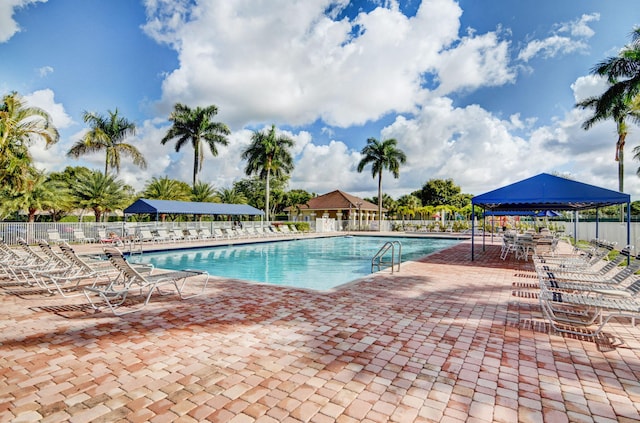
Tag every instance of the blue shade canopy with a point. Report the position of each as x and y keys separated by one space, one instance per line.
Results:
x=549 y=192
x=187 y=207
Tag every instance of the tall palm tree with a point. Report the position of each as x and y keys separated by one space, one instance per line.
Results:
x=100 y=193
x=196 y=126
x=268 y=155
x=616 y=103
x=108 y=134
x=382 y=155
x=19 y=127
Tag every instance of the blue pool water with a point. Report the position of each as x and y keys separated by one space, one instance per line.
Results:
x=318 y=263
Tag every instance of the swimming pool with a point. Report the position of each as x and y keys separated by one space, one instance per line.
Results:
x=317 y=263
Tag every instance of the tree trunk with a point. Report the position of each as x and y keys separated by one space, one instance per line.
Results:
x=621 y=173
x=266 y=200
x=380 y=201
x=196 y=155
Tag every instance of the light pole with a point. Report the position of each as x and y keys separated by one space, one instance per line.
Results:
x=358 y=205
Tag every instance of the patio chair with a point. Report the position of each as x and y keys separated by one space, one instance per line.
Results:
x=262 y=233
x=192 y=235
x=145 y=235
x=115 y=294
x=8 y=254
x=205 y=234
x=601 y=268
x=573 y=312
x=229 y=233
x=586 y=281
x=98 y=265
x=581 y=257
x=294 y=230
x=54 y=236
x=576 y=261
x=34 y=261
x=79 y=236
x=69 y=275
x=162 y=235
x=177 y=235
x=285 y=230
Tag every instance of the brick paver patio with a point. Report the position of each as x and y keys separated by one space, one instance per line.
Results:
x=445 y=340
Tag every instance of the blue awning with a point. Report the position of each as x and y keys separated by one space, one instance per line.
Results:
x=549 y=192
x=189 y=207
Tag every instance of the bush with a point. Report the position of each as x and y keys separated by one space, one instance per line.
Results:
x=301 y=226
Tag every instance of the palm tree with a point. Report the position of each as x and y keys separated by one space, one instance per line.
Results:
x=268 y=155
x=231 y=196
x=100 y=193
x=166 y=188
x=196 y=126
x=382 y=155
x=19 y=127
x=204 y=193
x=38 y=194
x=108 y=134
x=297 y=198
x=616 y=103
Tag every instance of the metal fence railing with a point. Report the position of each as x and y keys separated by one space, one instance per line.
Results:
x=71 y=232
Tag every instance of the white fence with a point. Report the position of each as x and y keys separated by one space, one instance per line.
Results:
x=609 y=231
x=11 y=231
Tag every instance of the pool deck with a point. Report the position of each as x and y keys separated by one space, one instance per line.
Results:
x=445 y=340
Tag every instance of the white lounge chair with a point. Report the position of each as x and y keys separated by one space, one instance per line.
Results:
x=205 y=234
x=192 y=234
x=54 y=237
x=79 y=236
x=131 y=281
x=586 y=314
x=145 y=235
x=177 y=235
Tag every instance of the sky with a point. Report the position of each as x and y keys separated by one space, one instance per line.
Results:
x=482 y=92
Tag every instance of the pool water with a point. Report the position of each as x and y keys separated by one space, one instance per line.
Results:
x=318 y=263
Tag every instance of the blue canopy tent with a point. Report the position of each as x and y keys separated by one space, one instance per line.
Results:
x=159 y=207
x=548 y=192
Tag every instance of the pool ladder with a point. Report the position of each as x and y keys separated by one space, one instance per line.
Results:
x=379 y=259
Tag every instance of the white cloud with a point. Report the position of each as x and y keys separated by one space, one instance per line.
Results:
x=580 y=27
x=477 y=62
x=588 y=86
x=44 y=71
x=53 y=157
x=568 y=38
x=8 y=26
x=289 y=62
x=45 y=100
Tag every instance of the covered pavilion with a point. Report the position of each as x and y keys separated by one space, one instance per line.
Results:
x=548 y=192
x=338 y=205
x=164 y=207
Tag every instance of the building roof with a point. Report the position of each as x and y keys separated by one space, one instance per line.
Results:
x=549 y=192
x=188 y=207
x=339 y=200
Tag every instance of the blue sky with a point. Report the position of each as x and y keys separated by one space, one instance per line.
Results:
x=482 y=92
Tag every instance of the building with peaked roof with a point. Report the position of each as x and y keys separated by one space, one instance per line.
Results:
x=337 y=205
